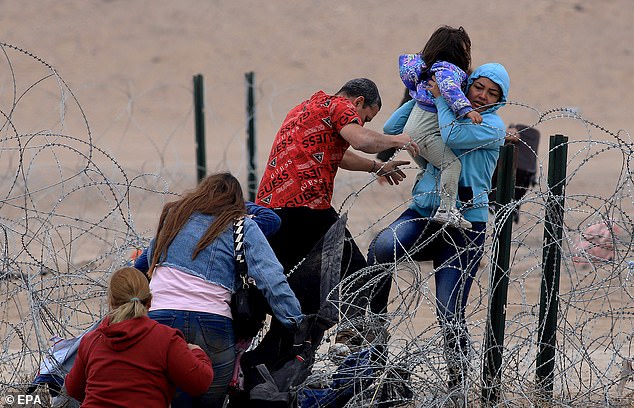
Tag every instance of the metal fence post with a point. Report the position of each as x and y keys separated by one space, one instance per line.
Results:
x=252 y=183
x=199 y=123
x=496 y=318
x=549 y=295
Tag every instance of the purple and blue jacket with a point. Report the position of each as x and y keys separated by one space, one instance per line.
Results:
x=451 y=81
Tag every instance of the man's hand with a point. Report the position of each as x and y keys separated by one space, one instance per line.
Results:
x=391 y=173
x=405 y=142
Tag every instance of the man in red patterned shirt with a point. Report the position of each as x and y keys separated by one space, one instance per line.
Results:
x=313 y=142
x=311 y=145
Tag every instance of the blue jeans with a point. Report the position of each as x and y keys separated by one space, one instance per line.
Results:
x=456 y=255
x=214 y=334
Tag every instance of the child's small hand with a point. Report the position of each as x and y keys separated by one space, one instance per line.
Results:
x=433 y=86
x=475 y=117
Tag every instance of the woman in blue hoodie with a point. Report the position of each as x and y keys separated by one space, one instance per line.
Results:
x=456 y=253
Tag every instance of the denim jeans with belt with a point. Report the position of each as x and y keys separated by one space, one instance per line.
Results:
x=456 y=255
x=214 y=334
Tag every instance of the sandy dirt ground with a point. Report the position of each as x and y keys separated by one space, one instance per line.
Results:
x=129 y=68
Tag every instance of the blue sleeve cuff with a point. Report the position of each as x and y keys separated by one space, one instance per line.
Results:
x=396 y=122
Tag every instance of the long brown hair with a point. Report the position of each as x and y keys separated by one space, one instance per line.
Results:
x=448 y=44
x=218 y=194
x=129 y=294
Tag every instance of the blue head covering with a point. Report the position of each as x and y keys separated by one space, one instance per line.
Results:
x=496 y=73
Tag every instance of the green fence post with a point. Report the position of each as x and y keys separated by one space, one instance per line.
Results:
x=199 y=124
x=252 y=183
x=496 y=318
x=549 y=295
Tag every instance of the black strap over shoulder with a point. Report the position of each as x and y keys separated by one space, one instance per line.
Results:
x=238 y=249
x=248 y=306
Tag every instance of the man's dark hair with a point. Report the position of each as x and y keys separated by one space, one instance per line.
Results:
x=362 y=87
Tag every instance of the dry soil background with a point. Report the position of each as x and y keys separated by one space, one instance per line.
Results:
x=130 y=66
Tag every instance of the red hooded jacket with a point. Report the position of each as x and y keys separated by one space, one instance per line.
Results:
x=137 y=362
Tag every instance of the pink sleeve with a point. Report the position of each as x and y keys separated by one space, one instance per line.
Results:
x=190 y=370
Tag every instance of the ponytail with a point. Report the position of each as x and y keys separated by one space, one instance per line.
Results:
x=129 y=295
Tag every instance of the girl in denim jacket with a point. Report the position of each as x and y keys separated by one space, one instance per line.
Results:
x=193 y=275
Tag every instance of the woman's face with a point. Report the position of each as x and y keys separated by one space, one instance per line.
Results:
x=482 y=93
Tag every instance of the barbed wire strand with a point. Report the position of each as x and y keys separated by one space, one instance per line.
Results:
x=69 y=217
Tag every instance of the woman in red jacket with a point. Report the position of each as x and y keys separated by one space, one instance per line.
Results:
x=131 y=360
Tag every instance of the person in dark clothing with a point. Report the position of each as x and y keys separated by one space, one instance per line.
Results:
x=526 y=141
